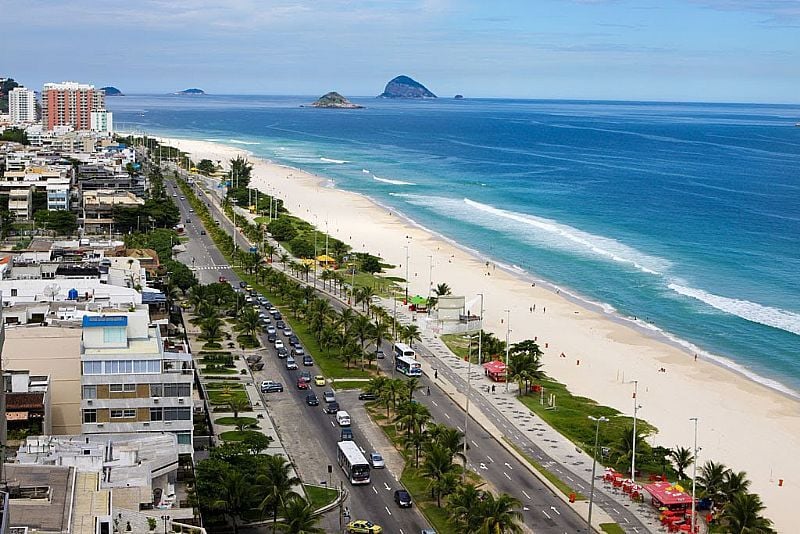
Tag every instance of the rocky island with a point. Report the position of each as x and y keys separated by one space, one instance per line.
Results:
x=191 y=91
x=405 y=87
x=334 y=100
x=111 y=91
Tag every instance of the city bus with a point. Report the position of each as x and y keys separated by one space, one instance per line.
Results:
x=352 y=462
x=408 y=366
x=401 y=349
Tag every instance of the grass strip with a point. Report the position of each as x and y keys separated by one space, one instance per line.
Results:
x=417 y=486
x=319 y=496
x=612 y=528
x=549 y=475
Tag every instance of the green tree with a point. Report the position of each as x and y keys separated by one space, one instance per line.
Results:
x=256 y=442
x=681 y=458
x=299 y=518
x=437 y=464
x=232 y=496
x=463 y=506
x=500 y=515
x=442 y=290
x=412 y=416
x=206 y=166
x=743 y=516
x=282 y=229
x=711 y=480
x=276 y=481
x=238 y=404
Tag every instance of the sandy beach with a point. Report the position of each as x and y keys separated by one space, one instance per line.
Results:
x=743 y=424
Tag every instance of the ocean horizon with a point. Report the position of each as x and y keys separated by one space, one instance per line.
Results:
x=684 y=216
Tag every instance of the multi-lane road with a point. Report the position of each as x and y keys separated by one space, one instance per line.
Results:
x=542 y=510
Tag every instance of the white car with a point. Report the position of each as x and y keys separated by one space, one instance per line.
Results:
x=376 y=460
x=278 y=344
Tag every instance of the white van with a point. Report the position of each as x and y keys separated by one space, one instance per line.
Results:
x=343 y=418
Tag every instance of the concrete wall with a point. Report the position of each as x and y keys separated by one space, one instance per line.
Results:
x=55 y=352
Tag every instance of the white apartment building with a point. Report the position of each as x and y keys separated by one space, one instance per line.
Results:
x=58 y=193
x=22 y=105
x=102 y=122
x=130 y=383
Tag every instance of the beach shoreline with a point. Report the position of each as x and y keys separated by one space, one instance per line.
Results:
x=605 y=350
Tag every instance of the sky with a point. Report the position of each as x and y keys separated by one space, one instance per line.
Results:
x=675 y=50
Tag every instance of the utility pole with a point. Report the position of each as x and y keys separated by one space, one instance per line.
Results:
x=508 y=334
x=466 y=411
x=597 y=420
x=480 y=334
x=633 y=445
x=694 y=477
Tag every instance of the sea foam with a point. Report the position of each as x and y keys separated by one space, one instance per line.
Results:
x=240 y=142
x=751 y=311
x=393 y=182
x=331 y=160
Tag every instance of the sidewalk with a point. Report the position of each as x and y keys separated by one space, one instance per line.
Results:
x=504 y=413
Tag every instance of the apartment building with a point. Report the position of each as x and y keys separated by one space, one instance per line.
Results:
x=131 y=383
x=20 y=202
x=22 y=105
x=98 y=209
x=102 y=122
x=70 y=104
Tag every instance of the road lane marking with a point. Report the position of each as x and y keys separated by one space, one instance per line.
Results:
x=473 y=442
x=528 y=496
x=547 y=515
x=615 y=511
x=447 y=415
x=625 y=518
x=459 y=428
x=385 y=485
x=483 y=466
x=434 y=403
x=490 y=458
x=509 y=466
x=334 y=426
x=373 y=489
x=387 y=510
x=506 y=474
x=553 y=508
x=365 y=452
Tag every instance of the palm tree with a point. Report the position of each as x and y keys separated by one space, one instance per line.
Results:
x=681 y=458
x=276 y=482
x=412 y=334
x=249 y=322
x=438 y=462
x=238 y=404
x=394 y=387
x=412 y=385
x=284 y=260
x=441 y=290
x=624 y=446
x=499 y=514
x=712 y=480
x=412 y=416
x=380 y=332
x=743 y=516
x=212 y=328
x=462 y=507
x=233 y=496
x=450 y=438
x=299 y=518
x=735 y=483
x=416 y=441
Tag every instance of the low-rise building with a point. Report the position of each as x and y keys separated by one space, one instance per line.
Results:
x=27 y=403
x=98 y=209
x=20 y=202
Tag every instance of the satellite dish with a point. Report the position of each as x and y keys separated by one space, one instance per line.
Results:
x=51 y=291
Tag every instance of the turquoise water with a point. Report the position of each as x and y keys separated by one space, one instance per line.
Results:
x=683 y=215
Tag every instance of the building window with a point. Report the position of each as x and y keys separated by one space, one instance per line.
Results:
x=119 y=388
x=13 y=292
x=123 y=414
x=156 y=390
x=93 y=368
x=156 y=414
x=89 y=392
x=177 y=414
x=177 y=390
x=114 y=335
x=89 y=416
x=184 y=438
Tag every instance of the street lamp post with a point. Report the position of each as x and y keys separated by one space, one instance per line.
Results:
x=508 y=334
x=466 y=411
x=480 y=334
x=430 y=280
x=406 y=301
x=166 y=519
x=597 y=420
x=635 y=410
x=694 y=475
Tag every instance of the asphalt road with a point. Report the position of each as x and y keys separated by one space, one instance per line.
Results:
x=542 y=510
x=374 y=501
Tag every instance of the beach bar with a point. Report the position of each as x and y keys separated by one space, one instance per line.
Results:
x=496 y=370
x=666 y=495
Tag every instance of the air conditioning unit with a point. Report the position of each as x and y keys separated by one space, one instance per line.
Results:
x=180 y=401
x=156 y=400
x=89 y=401
x=146 y=424
x=99 y=425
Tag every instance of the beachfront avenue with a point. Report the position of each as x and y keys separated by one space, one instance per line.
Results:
x=541 y=509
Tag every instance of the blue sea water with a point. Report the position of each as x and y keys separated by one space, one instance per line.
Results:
x=683 y=215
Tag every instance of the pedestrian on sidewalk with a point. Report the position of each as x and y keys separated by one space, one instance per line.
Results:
x=436 y=374
x=429 y=391
x=493 y=388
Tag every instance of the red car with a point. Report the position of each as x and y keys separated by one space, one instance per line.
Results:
x=302 y=384
x=222 y=280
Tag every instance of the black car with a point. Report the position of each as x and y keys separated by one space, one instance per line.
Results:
x=346 y=434
x=277 y=315
x=312 y=400
x=271 y=387
x=367 y=396
x=279 y=324
x=272 y=337
x=307 y=361
x=402 y=498
x=243 y=284
x=293 y=339
x=282 y=352
x=332 y=407
x=203 y=232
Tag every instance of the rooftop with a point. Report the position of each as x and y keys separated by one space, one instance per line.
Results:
x=29 y=509
x=104 y=320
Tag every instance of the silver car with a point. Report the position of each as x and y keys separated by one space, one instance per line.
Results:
x=376 y=460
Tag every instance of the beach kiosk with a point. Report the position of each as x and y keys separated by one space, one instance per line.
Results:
x=667 y=495
x=496 y=370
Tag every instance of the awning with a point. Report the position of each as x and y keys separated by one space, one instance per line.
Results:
x=668 y=495
x=495 y=367
x=17 y=416
x=326 y=259
x=418 y=300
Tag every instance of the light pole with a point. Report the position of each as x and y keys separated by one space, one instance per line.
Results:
x=480 y=334
x=430 y=280
x=406 y=301
x=165 y=518
x=633 y=445
x=466 y=411
x=597 y=420
x=694 y=475
x=508 y=334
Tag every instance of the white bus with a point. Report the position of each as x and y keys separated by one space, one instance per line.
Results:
x=408 y=366
x=352 y=462
x=401 y=349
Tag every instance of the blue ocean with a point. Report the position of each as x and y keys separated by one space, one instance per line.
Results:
x=686 y=216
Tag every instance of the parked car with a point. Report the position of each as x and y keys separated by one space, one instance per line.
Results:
x=319 y=380
x=297 y=350
x=365 y=395
x=294 y=339
x=312 y=400
x=331 y=408
x=202 y=232
x=253 y=358
x=376 y=460
x=243 y=284
x=307 y=360
x=222 y=279
x=291 y=364
x=402 y=498
x=362 y=526
x=329 y=396
x=278 y=316
x=268 y=386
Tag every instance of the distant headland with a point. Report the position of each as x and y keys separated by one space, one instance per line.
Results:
x=111 y=91
x=191 y=91
x=405 y=87
x=334 y=100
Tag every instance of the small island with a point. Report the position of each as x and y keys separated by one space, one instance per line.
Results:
x=334 y=100
x=405 y=87
x=191 y=91
x=111 y=91
x=459 y=97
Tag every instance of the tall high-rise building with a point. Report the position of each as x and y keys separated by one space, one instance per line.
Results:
x=70 y=104
x=22 y=105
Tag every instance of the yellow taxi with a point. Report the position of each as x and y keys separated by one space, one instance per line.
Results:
x=319 y=380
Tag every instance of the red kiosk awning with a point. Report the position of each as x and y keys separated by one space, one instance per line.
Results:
x=496 y=370
x=665 y=494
